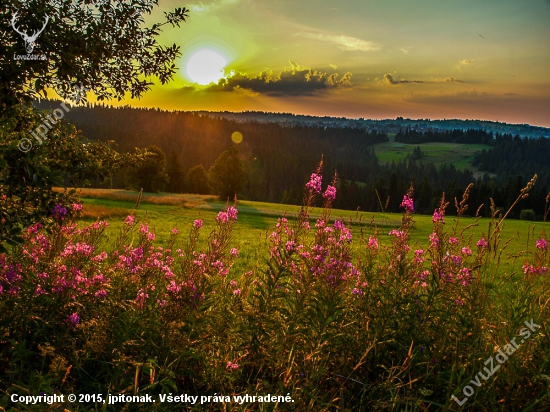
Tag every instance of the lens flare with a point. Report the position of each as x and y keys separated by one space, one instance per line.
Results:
x=237 y=137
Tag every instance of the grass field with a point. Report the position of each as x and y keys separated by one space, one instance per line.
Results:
x=257 y=219
x=460 y=155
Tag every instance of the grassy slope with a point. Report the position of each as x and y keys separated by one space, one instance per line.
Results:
x=460 y=155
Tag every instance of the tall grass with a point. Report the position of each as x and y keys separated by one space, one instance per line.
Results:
x=336 y=319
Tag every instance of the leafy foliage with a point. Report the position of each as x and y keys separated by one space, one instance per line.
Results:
x=119 y=51
x=26 y=194
x=196 y=181
x=150 y=175
x=175 y=172
x=98 y=46
x=227 y=177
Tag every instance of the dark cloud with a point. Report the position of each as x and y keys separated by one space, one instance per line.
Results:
x=292 y=81
x=389 y=79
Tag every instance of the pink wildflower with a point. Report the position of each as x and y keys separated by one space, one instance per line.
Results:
x=34 y=228
x=222 y=217
x=424 y=275
x=330 y=193
x=482 y=243
x=397 y=233
x=439 y=216
x=542 y=244
x=407 y=204
x=197 y=224
x=59 y=212
x=129 y=220
x=338 y=225
x=290 y=246
x=314 y=184
x=232 y=212
x=73 y=320
x=232 y=366
x=100 y=293
x=419 y=256
x=373 y=243
x=466 y=251
x=434 y=239
x=464 y=276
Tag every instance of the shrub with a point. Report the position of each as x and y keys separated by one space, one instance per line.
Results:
x=527 y=214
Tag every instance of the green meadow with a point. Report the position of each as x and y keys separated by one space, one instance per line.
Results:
x=459 y=154
x=256 y=220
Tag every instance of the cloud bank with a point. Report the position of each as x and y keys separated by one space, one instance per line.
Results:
x=391 y=80
x=292 y=81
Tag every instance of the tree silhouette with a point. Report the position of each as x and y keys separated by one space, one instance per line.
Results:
x=176 y=174
x=227 y=177
x=150 y=174
x=98 y=46
x=196 y=181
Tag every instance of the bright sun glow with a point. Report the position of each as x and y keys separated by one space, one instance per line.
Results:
x=205 y=66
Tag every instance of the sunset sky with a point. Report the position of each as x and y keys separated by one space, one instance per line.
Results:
x=435 y=59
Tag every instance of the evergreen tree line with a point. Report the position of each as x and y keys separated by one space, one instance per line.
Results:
x=412 y=136
x=515 y=156
x=277 y=160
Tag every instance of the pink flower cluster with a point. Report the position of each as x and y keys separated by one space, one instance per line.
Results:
x=482 y=243
x=65 y=265
x=330 y=193
x=407 y=204
x=232 y=366
x=438 y=216
x=314 y=184
x=372 y=243
x=73 y=320
x=542 y=244
x=226 y=216
x=325 y=263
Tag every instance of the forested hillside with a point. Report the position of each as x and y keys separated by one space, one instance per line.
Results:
x=278 y=158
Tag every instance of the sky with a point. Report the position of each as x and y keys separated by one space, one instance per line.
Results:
x=376 y=59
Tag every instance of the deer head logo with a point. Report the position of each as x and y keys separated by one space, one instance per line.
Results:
x=29 y=40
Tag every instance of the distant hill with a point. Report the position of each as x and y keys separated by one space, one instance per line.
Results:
x=386 y=125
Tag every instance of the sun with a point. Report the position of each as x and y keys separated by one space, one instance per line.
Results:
x=205 y=66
